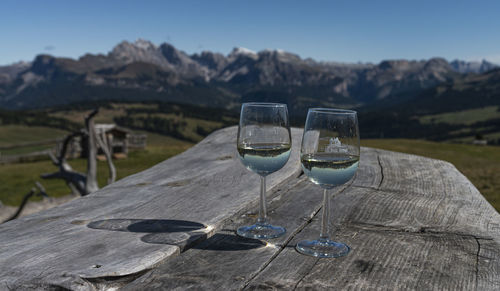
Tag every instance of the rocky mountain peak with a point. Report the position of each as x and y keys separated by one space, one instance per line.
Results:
x=42 y=64
x=241 y=51
x=173 y=55
x=10 y=72
x=437 y=65
x=395 y=65
x=438 y=62
x=477 y=67
x=139 y=51
x=279 y=55
x=145 y=44
x=213 y=61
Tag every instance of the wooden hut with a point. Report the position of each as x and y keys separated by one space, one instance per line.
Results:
x=115 y=137
x=118 y=139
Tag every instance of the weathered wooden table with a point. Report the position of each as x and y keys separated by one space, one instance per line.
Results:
x=412 y=223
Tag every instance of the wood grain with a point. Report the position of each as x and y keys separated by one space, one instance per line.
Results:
x=412 y=222
x=434 y=231
x=205 y=185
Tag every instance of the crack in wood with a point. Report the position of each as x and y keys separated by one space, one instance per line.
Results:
x=305 y=274
x=381 y=170
x=281 y=247
x=278 y=190
x=477 y=261
x=292 y=236
x=422 y=230
x=385 y=190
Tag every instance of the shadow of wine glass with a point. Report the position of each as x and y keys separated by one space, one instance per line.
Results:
x=181 y=233
x=146 y=225
x=228 y=243
x=217 y=242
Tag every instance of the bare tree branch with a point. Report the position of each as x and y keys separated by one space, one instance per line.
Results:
x=76 y=179
x=26 y=197
x=41 y=189
x=73 y=188
x=55 y=161
x=102 y=141
x=80 y=183
x=64 y=149
x=23 y=203
x=91 y=183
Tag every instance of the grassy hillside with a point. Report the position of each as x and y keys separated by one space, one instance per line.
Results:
x=15 y=134
x=481 y=164
x=18 y=179
x=180 y=127
x=455 y=111
x=185 y=122
x=466 y=117
x=12 y=135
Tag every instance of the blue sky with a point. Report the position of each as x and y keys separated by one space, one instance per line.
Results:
x=344 y=31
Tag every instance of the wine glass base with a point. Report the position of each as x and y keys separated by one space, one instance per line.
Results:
x=322 y=249
x=261 y=231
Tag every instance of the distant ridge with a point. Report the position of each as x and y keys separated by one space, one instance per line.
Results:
x=141 y=70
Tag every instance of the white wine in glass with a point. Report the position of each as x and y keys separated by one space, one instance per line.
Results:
x=330 y=157
x=264 y=145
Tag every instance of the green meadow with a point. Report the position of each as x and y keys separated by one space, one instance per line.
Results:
x=481 y=164
x=19 y=178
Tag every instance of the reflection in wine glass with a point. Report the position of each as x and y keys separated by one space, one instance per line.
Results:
x=264 y=143
x=329 y=156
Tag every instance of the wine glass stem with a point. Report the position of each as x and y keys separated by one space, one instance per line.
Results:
x=263 y=207
x=325 y=217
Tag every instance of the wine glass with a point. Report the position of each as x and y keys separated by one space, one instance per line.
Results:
x=329 y=156
x=264 y=143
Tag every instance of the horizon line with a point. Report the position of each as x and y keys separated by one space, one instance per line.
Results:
x=449 y=60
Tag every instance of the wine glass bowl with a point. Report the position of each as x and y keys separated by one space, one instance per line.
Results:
x=329 y=157
x=264 y=145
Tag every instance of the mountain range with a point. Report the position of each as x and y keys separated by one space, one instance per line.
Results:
x=141 y=70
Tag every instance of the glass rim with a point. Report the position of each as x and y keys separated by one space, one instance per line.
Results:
x=332 y=110
x=264 y=104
